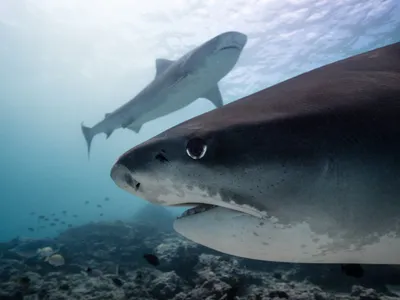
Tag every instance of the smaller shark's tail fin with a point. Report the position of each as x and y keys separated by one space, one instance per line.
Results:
x=87 y=133
x=214 y=95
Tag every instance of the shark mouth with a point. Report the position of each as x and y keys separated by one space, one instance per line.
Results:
x=230 y=47
x=197 y=209
x=202 y=207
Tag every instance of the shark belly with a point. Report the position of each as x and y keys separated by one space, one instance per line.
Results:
x=176 y=97
x=352 y=219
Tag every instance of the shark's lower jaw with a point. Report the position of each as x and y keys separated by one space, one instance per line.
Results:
x=197 y=209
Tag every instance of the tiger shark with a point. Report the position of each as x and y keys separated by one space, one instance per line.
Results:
x=305 y=171
x=176 y=85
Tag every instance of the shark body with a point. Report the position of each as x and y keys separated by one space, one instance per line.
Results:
x=305 y=171
x=176 y=85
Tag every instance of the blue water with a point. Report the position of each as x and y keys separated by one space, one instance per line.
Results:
x=64 y=62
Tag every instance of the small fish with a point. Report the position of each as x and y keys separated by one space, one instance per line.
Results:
x=69 y=225
x=353 y=270
x=53 y=214
x=64 y=287
x=151 y=259
x=41 y=217
x=139 y=276
x=24 y=281
x=86 y=202
x=52 y=224
x=56 y=220
x=46 y=219
x=32 y=213
x=98 y=205
x=55 y=260
x=117 y=282
x=106 y=199
x=75 y=216
x=31 y=229
x=62 y=222
x=101 y=214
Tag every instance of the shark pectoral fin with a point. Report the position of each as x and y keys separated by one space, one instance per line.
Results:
x=109 y=133
x=135 y=127
x=162 y=64
x=214 y=95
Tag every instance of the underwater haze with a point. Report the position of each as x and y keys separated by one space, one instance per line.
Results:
x=65 y=62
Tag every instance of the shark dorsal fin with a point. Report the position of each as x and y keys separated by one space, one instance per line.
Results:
x=214 y=95
x=162 y=64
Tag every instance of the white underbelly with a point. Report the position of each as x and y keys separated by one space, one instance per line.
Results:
x=246 y=236
x=175 y=98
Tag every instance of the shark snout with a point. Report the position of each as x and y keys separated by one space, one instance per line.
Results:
x=233 y=39
x=124 y=179
x=240 y=38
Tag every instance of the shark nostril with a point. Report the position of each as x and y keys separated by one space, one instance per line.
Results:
x=137 y=185
x=128 y=179
x=160 y=157
x=131 y=182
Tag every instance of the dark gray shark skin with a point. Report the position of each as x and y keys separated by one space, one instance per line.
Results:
x=307 y=170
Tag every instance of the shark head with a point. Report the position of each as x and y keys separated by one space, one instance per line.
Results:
x=182 y=167
x=217 y=171
x=219 y=53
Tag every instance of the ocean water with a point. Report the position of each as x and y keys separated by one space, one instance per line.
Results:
x=67 y=61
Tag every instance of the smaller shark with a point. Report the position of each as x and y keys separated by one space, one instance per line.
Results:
x=176 y=85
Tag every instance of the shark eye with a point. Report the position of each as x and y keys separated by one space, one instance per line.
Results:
x=196 y=148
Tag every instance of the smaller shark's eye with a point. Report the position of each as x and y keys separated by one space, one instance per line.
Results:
x=196 y=148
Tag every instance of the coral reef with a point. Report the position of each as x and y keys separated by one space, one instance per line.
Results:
x=105 y=261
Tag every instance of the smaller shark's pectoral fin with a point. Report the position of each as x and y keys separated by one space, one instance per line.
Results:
x=162 y=64
x=214 y=95
x=135 y=127
x=109 y=133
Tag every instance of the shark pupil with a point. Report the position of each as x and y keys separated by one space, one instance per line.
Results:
x=196 y=148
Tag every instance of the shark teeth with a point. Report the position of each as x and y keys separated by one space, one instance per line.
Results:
x=197 y=209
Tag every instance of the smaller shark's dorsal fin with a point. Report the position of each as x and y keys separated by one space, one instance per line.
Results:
x=162 y=64
x=214 y=95
x=106 y=115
